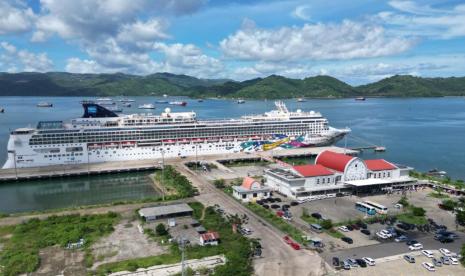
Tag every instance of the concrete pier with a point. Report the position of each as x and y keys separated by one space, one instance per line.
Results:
x=148 y=164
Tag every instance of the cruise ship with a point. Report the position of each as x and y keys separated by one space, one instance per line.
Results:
x=101 y=135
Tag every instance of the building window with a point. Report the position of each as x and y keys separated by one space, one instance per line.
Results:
x=244 y=196
x=323 y=181
x=317 y=181
x=389 y=174
x=254 y=194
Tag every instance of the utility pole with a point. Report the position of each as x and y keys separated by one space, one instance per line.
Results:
x=183 y=257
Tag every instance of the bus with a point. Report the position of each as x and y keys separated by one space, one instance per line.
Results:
x=367 y=209
x=380 y=209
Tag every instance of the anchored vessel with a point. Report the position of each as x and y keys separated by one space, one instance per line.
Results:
x=101 y=135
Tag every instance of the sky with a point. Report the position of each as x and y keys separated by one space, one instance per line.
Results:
x=357 y=41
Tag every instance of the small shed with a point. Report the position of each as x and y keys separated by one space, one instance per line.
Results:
x=209 y=238
x=165 y=211
x=200 y=229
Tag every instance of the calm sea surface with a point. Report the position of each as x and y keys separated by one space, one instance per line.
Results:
x=425 y=133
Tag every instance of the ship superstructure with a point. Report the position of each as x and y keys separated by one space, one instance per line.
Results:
x=100 y=135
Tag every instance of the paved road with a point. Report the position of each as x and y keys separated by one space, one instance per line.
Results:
x=278 y=258
x=386 y=249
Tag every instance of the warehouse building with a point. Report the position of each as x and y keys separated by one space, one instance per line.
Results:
x=165 y=211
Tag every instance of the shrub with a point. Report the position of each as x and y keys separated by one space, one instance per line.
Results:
x=449 y=204
x=418 y=211
x=326 y=224
x=403 y=201
x=161 y=230
x=460 y=218
x=219 y=183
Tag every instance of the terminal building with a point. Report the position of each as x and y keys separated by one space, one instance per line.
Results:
x=338 y=173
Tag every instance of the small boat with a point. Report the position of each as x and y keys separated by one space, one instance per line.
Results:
x=103 y=99
x=106 y=103
x=146 y=106
x=200 y=100
x=180 y=103
x=380 y=149
x=165 y=96
x=126 y=100
x=360 y=99
x=127 y=104
x=161 y=102
x=301 y=100
x=240 y=101
x=436 y=172
x=2 y=110
x=44 y=104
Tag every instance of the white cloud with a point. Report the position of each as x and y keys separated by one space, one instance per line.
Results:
x=14 y=59
x=14 y=18
x=302 y=12
x=411 y=18
x=346 y=40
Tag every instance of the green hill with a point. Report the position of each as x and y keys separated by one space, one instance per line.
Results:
x=271 y=87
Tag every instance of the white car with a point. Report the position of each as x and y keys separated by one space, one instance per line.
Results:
x=385 y=232
x=382 y=235
x=428 y=253
x=416 y=246
x=445 y=252
x=246 y=231
x=369 y=261
x=454 y=261
x=428 y=266
x=343 y=228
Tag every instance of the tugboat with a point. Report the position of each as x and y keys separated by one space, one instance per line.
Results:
x=44 y=104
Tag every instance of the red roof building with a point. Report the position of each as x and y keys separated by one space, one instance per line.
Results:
x=248 y=183
x=333 y=160
x=379 y=165
x=209 y=238
x=312 y=170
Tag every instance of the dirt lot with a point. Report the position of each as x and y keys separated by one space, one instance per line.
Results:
x=400 y=267
x=233 y=172
x=182 y=229
x=58 y=261
x=126 y=242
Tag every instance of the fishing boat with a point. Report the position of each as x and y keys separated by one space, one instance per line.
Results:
x=44 y=104
x=146 y=106
x=180 y=103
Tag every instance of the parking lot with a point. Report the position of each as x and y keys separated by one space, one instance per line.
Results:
x=398 y=266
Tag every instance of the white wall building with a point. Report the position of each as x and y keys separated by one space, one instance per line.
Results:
x=335 y=172
x=251 y=190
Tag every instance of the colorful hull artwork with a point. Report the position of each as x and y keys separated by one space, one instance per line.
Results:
x=284 y=142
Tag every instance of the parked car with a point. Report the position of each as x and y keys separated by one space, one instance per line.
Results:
x=352 y=262
x=346 y=265
x=347 y=240
x=446 y=240
x=343 y=228
x=409 y=259
x=398 y=206
x=336 y=262
x=416 y=246
x=246 y=231
x=355 y=226
x=316 y=215
x=294 y=203
x=445 y=260
x=369 y=261
x=266 y=206
x=361 y=262
x=401 y=238
x=277 y=199
x=362 y=225
x=428 y=253
x=445 y=252
x=411 y=242
x=437 y=262
x=274 y=206
x=365 y=231
x=454 y=260
x=428 y=266
x=382 y=235
x=350 y=227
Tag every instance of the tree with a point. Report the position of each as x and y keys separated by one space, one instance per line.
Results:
x=161 y=229
x=403 y=200
x=449 y=204
x=460 y=218
x=219 y=183
x=327 y=224
x=418 y=211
